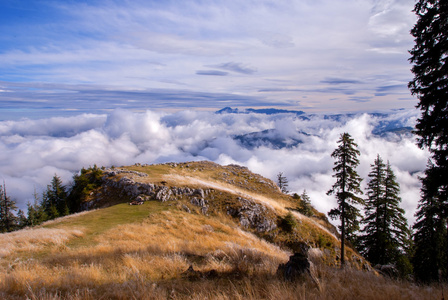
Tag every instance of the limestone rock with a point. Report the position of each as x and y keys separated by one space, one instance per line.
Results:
x=164 y=194
x=253 y=215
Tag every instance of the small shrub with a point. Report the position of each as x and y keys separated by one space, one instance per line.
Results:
x=288 y=222
x=305 y=206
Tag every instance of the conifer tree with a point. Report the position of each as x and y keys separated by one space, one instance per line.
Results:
x=430 y=84
x=373 y=241
x=54 y=199
x=386 y=234
x=430 y=232
x=399 y=229
x=347 y=188
x=83 y=183
x=8 y=220
x=32 y=215
x=22 y=221
x=282 y=182
x=36 y=213
x=305 y=206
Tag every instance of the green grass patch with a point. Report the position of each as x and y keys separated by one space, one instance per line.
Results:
x=97 y=222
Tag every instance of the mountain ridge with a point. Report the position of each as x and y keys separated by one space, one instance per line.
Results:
x=197 y=225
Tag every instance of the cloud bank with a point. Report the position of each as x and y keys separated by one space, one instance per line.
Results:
x=32 y=151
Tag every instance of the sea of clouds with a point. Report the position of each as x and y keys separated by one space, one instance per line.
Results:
x=33 y=151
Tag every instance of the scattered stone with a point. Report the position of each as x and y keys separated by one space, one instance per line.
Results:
x=208 y=228
x=202 y=203
x=199 y=192
x=186 y=208
x=198 y=202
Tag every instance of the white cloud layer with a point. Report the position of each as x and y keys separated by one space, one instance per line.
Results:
x=32 y=151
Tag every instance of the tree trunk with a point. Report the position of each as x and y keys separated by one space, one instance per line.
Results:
x=343 y=233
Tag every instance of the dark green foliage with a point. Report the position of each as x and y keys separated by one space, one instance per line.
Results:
x=282 y=183
x=346 y=188
x=386 y=234
x=54 y=199
x=305 y=207
x=22 y=221
x=430 y=232
x=324 y=242
x=57 y=201
x=83 y=183
x=8 y=221
x=36 y=213
x=288 y=222
x=430 y=84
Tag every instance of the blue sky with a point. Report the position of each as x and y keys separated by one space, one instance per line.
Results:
x=69 y=57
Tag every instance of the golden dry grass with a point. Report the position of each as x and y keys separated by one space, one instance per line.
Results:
x=35 y=239
x=143 y=252
x=147 y=260
x=159 y=248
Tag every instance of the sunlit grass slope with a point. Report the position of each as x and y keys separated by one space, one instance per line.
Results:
x=144 y=251
x=115 y=245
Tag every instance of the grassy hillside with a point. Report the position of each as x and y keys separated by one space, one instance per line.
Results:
x=119 y=251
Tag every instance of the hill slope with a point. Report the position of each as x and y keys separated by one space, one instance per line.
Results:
x=226 y=223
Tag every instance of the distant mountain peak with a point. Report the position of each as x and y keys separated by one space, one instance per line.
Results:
x=266 y=111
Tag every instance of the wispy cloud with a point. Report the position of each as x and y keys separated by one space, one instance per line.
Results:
x=144 y=45
x=340 y=81
x=361 y=99
x=235 y=67
x=40 y=100
x=391 y=89
x=212 y=72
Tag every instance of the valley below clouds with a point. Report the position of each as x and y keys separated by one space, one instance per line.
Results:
x=300 y=146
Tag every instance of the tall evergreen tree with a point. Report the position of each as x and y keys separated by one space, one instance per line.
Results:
x=8 y=221
x=22 y=221
x=430 y=84
x=386 y=234
x=347 y=188
x=36 y=212
x=430 y=232
x=373 y=241
x=54 y=199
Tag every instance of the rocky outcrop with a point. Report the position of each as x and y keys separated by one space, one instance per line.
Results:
x=163 y=194
x=253 y=215
x=114 y=172
x=201 y=202
x=141 y=191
